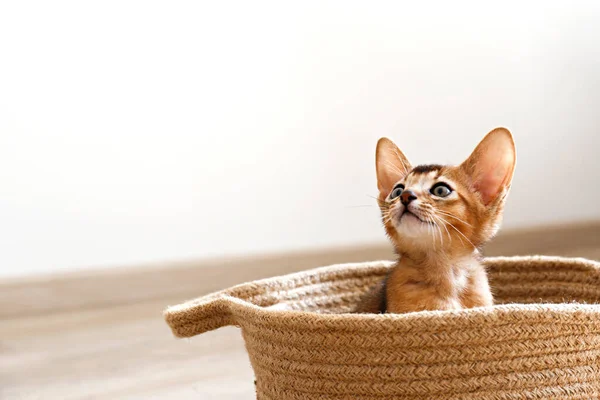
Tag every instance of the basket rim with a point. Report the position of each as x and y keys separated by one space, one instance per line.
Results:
x=227 y=309
x=366 y=266
x=497 y=309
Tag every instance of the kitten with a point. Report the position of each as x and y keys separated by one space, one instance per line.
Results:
x=437 y=218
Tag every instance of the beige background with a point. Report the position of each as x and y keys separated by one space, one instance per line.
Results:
x=144 y=131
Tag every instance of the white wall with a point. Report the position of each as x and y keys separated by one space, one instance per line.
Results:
x=135 y=131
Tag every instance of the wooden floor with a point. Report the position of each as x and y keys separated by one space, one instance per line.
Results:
x=100 y=334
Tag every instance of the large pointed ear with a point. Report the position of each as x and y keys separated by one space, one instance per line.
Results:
x=391 y=165
x=492 y=164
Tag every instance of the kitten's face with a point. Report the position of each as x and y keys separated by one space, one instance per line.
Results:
x=445 y=208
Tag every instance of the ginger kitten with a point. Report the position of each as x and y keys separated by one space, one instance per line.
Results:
x=437 y=218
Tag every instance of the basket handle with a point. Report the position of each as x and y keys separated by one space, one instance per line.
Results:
x=201 y=315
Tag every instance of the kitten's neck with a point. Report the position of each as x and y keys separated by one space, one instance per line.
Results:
x=439 y=256
x=438 y=267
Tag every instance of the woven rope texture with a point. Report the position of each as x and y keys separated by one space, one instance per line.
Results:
x=542 y=340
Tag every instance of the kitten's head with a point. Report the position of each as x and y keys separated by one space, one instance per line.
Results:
x=445 y=208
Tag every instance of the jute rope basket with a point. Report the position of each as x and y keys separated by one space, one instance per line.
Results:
x=542 y=341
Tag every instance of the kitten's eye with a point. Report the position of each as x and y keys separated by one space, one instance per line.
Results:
x=441 y=190
x=397 y=191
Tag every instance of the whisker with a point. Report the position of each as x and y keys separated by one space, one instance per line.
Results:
x=440 y=232
x=381 y=203
x=433 y=235
x=447 y=231
x=452 y=226
x=454 y=216
x=437 y=231
x=448 y=223
x=386 y=216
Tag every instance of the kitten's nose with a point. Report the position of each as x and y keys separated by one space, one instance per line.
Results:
x=407 y=196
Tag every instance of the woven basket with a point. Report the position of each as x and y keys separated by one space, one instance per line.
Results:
x=540 y=342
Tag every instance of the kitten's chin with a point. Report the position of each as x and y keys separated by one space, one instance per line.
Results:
x=411 y=226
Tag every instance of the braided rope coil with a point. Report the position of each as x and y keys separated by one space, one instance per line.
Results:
x=542 y=340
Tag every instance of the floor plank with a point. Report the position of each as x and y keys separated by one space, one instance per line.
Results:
x=126 y=352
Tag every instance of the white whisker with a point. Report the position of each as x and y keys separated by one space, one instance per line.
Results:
x=386 y=216
x=431 y=234
x=452 y=226
x=447 y=232
x=454 y=216
x=439 y=232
